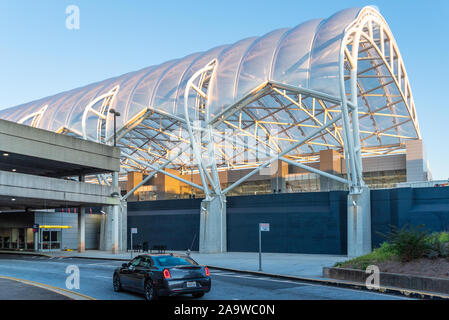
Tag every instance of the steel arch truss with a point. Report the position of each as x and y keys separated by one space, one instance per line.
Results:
x=374 y=114
x=374 y=80
x=278 y=122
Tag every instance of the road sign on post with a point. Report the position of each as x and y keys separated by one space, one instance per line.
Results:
x=133 y=231
x=263 y=227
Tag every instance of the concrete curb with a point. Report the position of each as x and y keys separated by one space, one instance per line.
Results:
x=411 y=283
x=26 y=253
x=54 y=256
x=93 y=258
x=344 y=284
x=64 y=292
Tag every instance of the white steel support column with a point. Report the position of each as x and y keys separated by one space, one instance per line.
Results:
x=212 y=237
x=359 y=203
x=213 y=225
x=359 y=223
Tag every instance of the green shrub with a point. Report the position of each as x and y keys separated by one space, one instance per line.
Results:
x=444 y=237
x=409 y=242
x=438 y=244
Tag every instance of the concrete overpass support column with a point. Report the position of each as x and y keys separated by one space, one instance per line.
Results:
x=82 y=229
x=25 y=239
x=213 y=225
x=107 y=236
x=36 y=241
x=115 y=218
x=103 y=229
x=359 y=223
x=123 y=226
x=115 y=229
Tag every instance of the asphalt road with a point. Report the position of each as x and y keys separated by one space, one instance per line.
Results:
x=14 y=290
x=96 y=281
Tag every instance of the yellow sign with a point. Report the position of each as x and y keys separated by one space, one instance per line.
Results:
x=55 y=227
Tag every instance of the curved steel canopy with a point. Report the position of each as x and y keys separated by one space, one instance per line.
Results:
x=335 y=83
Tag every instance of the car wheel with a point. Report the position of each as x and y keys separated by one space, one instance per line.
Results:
x=117 y=284
x=198 y=294
x=149 y=291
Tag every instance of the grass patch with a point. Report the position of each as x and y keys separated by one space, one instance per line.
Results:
x=385 y=252
x=405 y=244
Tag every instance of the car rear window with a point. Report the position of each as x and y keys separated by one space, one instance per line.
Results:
x=170 y=261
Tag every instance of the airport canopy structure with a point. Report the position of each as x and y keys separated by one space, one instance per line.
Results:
x=336 y=83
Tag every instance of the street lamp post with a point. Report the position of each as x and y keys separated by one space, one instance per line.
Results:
x=116 y=114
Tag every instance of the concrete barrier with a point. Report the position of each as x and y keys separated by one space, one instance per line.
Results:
x=404 y=281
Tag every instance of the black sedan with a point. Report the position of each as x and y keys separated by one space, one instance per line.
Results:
x=157 y=275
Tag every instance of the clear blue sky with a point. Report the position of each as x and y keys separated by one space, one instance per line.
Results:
x=40 y=57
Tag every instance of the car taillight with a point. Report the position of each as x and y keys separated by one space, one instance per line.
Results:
x=207 y=271
x=167 y=274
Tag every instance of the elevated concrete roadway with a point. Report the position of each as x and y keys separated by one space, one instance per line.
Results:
x=41 y=169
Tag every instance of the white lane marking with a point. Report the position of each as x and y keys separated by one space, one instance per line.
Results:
x=222 y=273
x=259 y=278
x=107 y=277
x=103 y=264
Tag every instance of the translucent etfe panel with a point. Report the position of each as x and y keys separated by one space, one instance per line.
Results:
x=16 y=113
x=58 y=110
x=74 y=119
x=141 y=98
x=292 y=57
x=196 y=65
x=408 y=130
x=164 y=95
x=124 y=94
x=44 y=120
x=131 y=112
x=324 y=68
x=76 y=113
x=51 y=119
x=101 y=88
x=256 y=64
x=228 y=65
